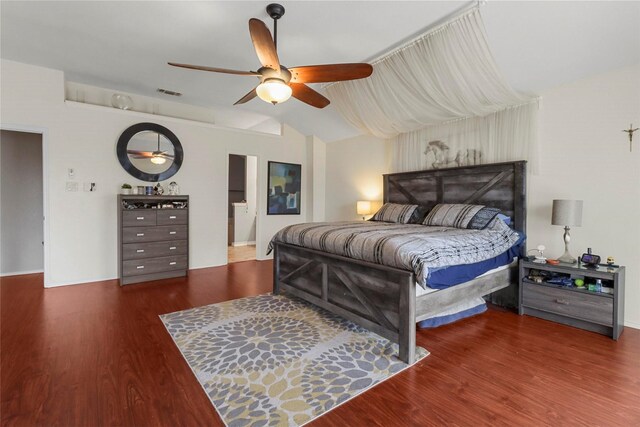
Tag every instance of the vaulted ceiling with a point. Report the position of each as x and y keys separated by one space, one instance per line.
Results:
x=125 y=45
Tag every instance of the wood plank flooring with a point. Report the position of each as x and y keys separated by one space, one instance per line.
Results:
x=241 y=253
x=97 y=355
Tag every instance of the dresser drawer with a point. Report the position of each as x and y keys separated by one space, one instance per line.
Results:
x=153 y=234
x=154 y=265
x=592 y=308
x=172 y=216
x=154 y=249
x=136 y=218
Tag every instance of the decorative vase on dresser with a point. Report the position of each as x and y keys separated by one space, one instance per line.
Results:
x=153 y=237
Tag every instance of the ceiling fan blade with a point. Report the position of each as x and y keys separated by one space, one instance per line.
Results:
x=214 y=69
x=248 y=97
x=166 y=156
x=142 y=157
x=307 y=95
x=330 y=73
x=264 y=45
x=140 y=153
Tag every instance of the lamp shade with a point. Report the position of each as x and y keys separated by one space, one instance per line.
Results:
x=363 y=207
x=273 y=91
x=158 y=160
x=567 y=213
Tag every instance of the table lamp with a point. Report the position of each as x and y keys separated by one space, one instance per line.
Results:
x=567 y=213
x=363 y=207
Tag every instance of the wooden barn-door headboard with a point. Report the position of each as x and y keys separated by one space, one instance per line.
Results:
x=498 y=185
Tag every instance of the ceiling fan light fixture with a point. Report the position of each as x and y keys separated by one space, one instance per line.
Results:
x=273 y=91
x=158 y=160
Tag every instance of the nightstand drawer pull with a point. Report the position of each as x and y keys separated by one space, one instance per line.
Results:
x=172 y=232
x=172 y=263
x=172 y=217
x=139 y=234
x=172 y=248
x=562 y=301
x=139 y=218
x=140 y=251
x=140 y=267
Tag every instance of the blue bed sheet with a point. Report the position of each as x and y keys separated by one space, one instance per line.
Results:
x=436 y=321
x=445 y=277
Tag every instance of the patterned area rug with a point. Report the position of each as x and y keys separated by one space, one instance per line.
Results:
x=278 y=361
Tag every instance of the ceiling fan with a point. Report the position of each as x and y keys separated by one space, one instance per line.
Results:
x=158 y=156
x=277 y=82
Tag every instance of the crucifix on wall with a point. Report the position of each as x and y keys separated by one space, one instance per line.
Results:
x=630 y=131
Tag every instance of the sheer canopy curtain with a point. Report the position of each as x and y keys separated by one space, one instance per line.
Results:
x=443 y=101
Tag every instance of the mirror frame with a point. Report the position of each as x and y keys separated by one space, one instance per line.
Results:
x=123 y=157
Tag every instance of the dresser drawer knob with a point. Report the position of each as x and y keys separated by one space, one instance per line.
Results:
x=172 y=263
x=140 y=251
x=562 y=301
x=172 y=248
x=172 y=217
x=172 y=232
x=139 y=234
x=140 y=267
x=139 y=217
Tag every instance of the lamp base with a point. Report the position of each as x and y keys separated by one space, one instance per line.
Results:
x=567 y=258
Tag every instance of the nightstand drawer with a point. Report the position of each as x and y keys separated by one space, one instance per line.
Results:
x=592 y=308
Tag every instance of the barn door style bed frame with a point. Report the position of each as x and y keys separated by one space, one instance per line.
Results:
x=383 y=299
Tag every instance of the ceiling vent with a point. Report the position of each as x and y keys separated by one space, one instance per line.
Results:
x=169 y=92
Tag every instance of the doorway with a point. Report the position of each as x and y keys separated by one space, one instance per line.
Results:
x=242 y=209
x=21 y=203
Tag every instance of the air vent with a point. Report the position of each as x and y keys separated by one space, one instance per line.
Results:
x=169 y=92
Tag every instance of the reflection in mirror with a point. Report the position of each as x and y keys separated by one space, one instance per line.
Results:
x=150 y=152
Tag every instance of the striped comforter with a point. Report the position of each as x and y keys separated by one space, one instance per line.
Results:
x=406 y=246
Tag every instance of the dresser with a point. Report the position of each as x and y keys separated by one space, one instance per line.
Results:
x=153 y=237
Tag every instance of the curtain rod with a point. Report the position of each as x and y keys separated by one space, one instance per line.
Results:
x=436 y=27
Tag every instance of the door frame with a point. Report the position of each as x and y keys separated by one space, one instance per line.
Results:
x=44 y=134
x=258 y=200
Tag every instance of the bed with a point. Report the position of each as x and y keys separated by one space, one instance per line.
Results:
x=383 y=299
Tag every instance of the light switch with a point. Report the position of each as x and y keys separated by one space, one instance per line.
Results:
x=71 y=172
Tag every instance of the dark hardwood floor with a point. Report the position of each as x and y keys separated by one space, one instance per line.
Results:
x=97 y=354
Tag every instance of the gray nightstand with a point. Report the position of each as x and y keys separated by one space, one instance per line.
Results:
x=594 y=311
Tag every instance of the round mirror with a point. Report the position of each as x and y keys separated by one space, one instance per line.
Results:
x=149 y=152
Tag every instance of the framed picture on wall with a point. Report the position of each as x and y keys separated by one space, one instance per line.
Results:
x=284 y=188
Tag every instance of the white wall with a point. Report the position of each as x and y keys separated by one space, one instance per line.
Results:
x=21 y=203
x=319 y=179
x=251 y=193
x=583 y=155
x=354 y=171
x=83 y=225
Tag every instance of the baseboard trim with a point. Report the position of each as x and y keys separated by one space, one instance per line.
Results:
x=250 y=243
x=80 y=282
x=20 y=273
x=633 y=325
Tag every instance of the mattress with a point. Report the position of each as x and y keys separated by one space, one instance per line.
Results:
x=420 y=291
x=412 y=247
